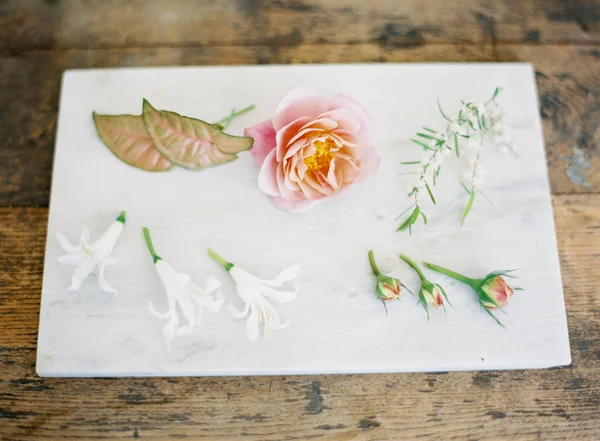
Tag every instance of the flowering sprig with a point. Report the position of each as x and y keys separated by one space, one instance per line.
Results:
x=430 y=294
x=492 y=291
x=466 y=131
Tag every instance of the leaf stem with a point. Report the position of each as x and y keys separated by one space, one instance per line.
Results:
x=149 y=244
x=225 y=264
x=414 y=266
x=234 y=114
x=450 y=273
x=373 y=264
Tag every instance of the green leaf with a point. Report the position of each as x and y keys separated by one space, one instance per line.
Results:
x=492 y=315
x=496 y=92
x=456 y=145
x=442 y=112
x=422 y=144
x=468 y=207
x=410 y=220
x=465 y=187
x=424 y=218
x=127 y=138
x=410 y=162
x=426 y=136
x=189 y=142
x=430 y=193
x=429 y=130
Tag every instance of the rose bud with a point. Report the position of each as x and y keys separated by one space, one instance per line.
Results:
x=387 y=288
x=430 y=294
x=497 y=290
x=492 y=291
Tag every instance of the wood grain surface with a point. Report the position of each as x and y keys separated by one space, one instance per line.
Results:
x=39 y=39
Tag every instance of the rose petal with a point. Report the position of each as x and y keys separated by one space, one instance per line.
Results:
x=298 y=103
x=267 y=180
x=369 y=161
x=344 y=101
x=285 y=135
x=346 y=118
x=264 y=140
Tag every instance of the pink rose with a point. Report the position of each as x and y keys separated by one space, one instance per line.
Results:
x=312 y=149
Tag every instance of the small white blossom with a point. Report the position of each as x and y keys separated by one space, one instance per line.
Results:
x=88 y=256
x=256 y=293
x=182 y=295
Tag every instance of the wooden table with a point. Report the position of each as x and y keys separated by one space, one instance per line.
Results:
x=39 y=39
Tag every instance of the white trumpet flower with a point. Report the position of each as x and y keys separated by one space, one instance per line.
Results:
x=182 y=292
x=88 y=256
x=256 y=293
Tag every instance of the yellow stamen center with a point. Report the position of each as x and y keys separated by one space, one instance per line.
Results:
x=322 y=157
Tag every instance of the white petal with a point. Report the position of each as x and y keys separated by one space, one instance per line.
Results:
x=185 y=330
x=85 y=236
x=243 y=278
x=66 y=245
x=236 y=313
x=109 y=261
x=183 y=279
x=160 y=315
x=204 y=300
x=76 y=281
x=273 y=319
x=70 y=259
x=252 y=325
x=212 y=284
x=288 y=274
x=280 y=296
x=170 y=330
x=104 y=285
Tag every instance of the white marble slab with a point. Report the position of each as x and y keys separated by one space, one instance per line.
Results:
x=337 y=325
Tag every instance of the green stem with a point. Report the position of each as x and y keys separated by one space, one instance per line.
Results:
x=220 y=260
x=227 y=120
x=121 y=217
x=414 y=266
x=149 y=244
x=449 y=273
x=373 y=264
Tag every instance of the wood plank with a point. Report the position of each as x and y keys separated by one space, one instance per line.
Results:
x=550 y=404
x=29 y=87
x=34 y=25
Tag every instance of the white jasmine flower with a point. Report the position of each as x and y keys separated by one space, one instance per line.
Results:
x=256 y=293
x=88 y=256
x=182 y=293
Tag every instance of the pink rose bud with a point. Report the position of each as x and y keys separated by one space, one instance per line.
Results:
x=387 y=288
x=433 y=295
x=430 y=294
x=492 y=291
x=497 y=290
